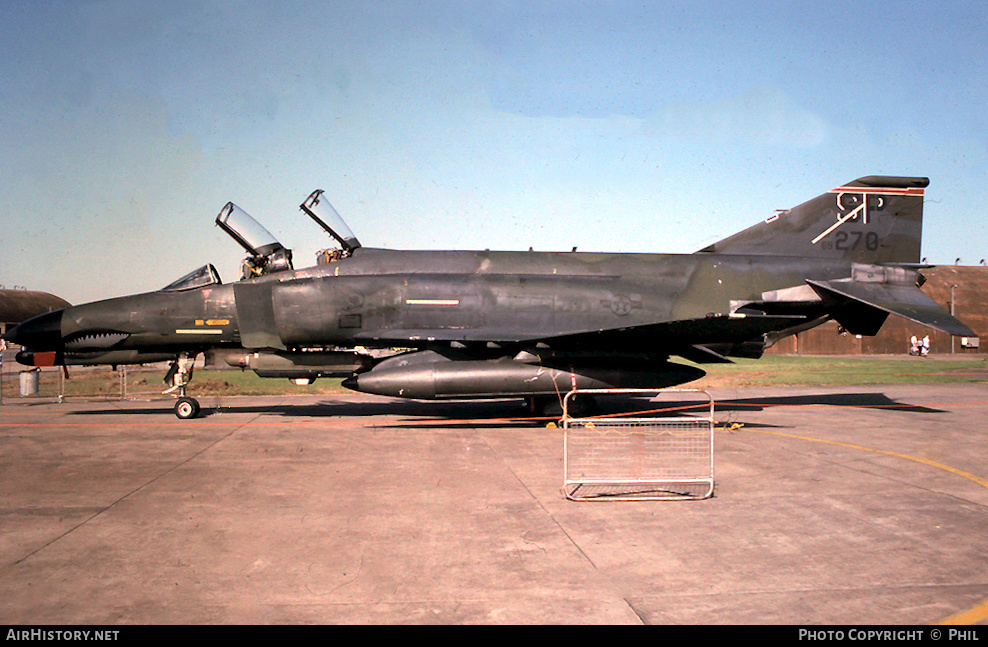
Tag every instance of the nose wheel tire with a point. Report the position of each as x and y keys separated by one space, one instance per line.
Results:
x=187 y=408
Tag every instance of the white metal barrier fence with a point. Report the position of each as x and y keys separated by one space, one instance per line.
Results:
x=656 y=456
x=123 y=383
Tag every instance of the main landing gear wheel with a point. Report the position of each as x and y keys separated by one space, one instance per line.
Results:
x=187 y=408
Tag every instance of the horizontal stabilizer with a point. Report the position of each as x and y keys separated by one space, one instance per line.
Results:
x=901 y=299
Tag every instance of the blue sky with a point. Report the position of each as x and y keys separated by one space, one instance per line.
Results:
x=610 y=126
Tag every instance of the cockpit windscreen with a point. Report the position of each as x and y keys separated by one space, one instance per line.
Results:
x=200 y=278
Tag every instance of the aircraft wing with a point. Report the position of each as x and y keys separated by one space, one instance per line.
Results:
x=686 y=338
x=713 y=329
x=428 y=337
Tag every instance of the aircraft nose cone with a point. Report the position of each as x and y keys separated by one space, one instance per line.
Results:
x=43 y=332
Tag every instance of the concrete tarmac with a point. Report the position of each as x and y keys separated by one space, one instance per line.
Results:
x=857 y=505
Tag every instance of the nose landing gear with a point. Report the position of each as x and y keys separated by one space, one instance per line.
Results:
x=179 y=375
x=186 y=408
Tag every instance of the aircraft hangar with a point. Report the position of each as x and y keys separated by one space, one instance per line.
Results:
x=19 y=305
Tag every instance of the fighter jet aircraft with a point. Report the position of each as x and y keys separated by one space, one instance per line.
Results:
x=488 y=324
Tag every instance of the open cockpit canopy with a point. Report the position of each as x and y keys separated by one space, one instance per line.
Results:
x=317 y=207
x=267 y=255
x=250 y=234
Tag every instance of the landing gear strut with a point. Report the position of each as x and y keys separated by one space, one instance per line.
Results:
x=179 y=375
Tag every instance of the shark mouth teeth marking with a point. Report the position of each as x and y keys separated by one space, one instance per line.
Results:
x=95 y=340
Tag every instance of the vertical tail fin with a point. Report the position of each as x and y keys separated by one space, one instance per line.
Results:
x=873 y=219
